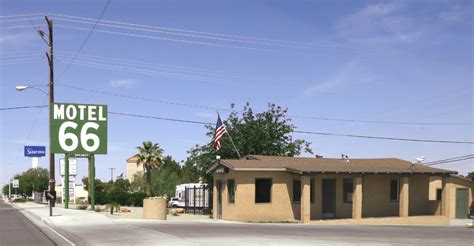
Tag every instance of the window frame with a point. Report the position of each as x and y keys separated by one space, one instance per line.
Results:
x=229 y=196
x=300 y=190
x=439 y=196
x=312 y=190
x=344 y=191
x=270 y=191
x=398 y=190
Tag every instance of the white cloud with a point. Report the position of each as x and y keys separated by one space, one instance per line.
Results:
x=456 y=13
x=123 y=83
x=350 y=75
x=380 y=23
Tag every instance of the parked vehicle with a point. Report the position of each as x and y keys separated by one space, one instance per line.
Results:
x=174 y=203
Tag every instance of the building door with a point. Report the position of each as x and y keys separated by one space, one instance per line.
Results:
x=461 y=203
x=329 y=198
x=219 y=199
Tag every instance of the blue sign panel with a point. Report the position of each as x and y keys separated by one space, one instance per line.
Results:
x=35 y=151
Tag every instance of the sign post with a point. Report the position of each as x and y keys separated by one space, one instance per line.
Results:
x=92 y=181
x=78 y=130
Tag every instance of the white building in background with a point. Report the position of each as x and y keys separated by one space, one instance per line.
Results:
x=132 y=168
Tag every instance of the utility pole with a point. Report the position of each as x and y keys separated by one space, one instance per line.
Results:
x=52 y=180
x=112 y=173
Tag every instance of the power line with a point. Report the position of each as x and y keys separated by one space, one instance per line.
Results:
x=187 y=34
x=159 y=66
x=449 y=160
x=22 y=15
x=24 y=19
x=161 y=118
x=23 y=107
x=141 y=98
x=181 y=40
x=207 y=34
x=306 y=132
x=381 y=122
x=224 y=109
x=386 y=138
x=87 y=39
x=148 y=72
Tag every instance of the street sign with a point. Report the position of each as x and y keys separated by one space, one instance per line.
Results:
x=35 y=151
x=78 y=128
x=16 y=183
x=72 y=166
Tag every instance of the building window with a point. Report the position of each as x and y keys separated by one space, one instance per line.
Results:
x=231 y=190
x=394 y=190
x=348 y=190
x=311 y=190
x=263 y=190
x=296 y=190
x=439 y=194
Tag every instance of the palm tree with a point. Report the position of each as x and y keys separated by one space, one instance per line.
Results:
x=149 y=155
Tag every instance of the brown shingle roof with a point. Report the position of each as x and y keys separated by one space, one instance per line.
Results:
x=329 y=165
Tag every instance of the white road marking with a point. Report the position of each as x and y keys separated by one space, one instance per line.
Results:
x=57 y=233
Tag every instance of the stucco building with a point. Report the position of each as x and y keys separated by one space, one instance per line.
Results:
x=269 y=188
x=132 y=167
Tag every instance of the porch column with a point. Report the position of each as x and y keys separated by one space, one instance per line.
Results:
x=447 y=204
x=404 y=190
x=357 y=199
x=305 y=200
x=214 y=199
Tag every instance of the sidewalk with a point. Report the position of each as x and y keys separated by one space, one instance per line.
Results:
x=85 y=227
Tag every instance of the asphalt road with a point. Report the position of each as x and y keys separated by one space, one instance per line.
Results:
x=281 y=234
x=15 y=229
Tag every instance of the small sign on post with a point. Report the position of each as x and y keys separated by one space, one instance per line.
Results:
x=16 y=183
x=35 y=151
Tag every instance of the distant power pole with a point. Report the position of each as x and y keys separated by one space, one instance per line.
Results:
x=112 y=173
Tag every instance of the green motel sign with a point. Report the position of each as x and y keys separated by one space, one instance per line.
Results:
x=78 y=128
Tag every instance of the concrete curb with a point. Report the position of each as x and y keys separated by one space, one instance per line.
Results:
x=45 y=226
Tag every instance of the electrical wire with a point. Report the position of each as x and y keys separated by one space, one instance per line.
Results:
x=308 y=132
x=87 y=39
x=208 y=34
x=224 y=109
x=181 y=40
x=449 y=160
x=23 y=107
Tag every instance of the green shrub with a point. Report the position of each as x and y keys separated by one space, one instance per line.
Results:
x=136 y=199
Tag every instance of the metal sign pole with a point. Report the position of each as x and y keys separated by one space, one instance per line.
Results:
x=66 y=181
x=92 y=180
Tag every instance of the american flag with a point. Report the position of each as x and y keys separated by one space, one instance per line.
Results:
x=220 y=131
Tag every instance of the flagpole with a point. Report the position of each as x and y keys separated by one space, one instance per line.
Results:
x=232 y=141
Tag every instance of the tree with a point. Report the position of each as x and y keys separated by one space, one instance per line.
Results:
x=166 y=177
x=470 y=175
x=138 y=183
x=35 y=179
x=265 y=133
x=149 y=155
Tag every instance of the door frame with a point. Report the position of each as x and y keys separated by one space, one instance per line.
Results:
x=458 y=214
x=334 y=188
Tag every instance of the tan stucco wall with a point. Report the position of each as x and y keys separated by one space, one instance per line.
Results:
x=453 y=183
x=245 y=209
x=132 y=169
x=375 y=196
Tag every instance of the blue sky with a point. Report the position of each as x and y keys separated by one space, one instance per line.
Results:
x=407 y=61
